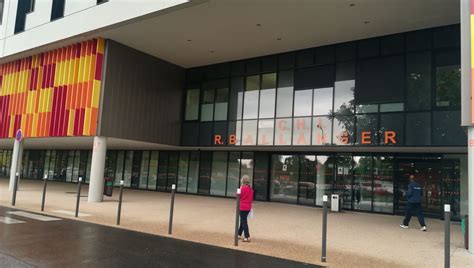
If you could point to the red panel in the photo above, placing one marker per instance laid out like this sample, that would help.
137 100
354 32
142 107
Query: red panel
98 67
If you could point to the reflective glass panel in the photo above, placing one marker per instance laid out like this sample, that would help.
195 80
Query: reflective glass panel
222 97
284 178
193 174
219 173
322 103
192 104
153 170
383 184
265 132
324 177
322 130
307 180
207 106
267 103
251 104
183 172
302 131
284 102
249 132
343 130
303 102
144 169
283 131
363 183
252 83
233 174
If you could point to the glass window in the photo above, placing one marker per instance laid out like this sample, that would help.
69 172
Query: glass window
235 131
251 104
145 163
249 132
302 131
284 178
153 170
205 172
367 129
346 51
219 173
344 88
303 102
252 83
190 134
448 36
236 98
111 164
267 103
173 164
392 44
314 77
162 171
325 55
283 131
265 132
237 68
322 102
418 40
192 104
222 97
447 128
183 172
343 130
246 165
205 133
418 81
220 133
343 183
261 176
448 86
207 106
324 177
383 184
269 63
368 48
136 168
286 60
305 57
455 183
418 129
52 164
127 173
367 108
380 80
252 66
233 175
391 107
89 166
363 183
322 130
269 81
391 129
119 165
284 102
193 174
70 163
307 180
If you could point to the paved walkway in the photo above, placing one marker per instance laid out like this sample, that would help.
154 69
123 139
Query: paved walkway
281 230
35 241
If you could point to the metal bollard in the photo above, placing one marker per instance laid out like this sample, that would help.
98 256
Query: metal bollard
325 227
447 235
78 196
15 188
237 217
119 211
170 225
45 182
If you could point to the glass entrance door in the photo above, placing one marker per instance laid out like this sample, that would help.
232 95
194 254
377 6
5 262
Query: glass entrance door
428 174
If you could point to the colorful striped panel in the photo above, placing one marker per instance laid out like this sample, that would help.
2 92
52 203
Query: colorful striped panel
53 94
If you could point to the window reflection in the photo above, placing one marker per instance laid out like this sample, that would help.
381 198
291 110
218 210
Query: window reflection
302 131
303 102
265 132
284 102
219 173
207 106
322 130
192 104
284 178
267 103
362 197
325 177
343 130
249 132
322 104
222 96
283 131
383 184
251 104
252 83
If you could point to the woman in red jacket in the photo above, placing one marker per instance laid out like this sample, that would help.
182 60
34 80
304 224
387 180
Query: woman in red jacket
246 199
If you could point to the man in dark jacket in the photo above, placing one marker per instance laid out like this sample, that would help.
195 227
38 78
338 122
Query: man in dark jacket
414 194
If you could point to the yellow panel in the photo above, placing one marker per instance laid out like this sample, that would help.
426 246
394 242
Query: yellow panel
96 94
87 122
12 124
70 129
34 125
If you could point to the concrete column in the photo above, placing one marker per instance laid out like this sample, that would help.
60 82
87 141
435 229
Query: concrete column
470 183
16 162
96 183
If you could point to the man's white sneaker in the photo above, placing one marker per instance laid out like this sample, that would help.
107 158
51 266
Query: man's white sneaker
403 226
423 229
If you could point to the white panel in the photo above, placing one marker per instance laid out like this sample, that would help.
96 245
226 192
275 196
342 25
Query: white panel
40 15
73 6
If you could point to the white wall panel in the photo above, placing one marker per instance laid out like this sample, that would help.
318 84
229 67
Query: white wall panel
40 15
73 6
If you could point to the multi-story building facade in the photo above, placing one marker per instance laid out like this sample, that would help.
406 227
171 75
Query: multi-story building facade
199 93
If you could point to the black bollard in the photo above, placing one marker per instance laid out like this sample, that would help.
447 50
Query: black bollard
78 196
15 188
119 211
45 183
325 225
170 225
447 235
237 217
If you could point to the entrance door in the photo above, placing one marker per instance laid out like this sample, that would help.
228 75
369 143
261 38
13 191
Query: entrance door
428 175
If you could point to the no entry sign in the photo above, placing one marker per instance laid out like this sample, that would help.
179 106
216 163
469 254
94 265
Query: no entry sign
19 135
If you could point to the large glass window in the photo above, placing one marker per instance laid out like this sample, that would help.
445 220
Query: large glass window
343 184
448 86
418 129
193 174
418 81
363 169
192 104
207 105
285 94
219 173
172 170
249 132
153 172
446 128
302 131
307 180
383 184
265 132
322 103
283 131
145 163
162 171
322 126
343 130
284 178
205 173
324 177
236 98
267 103
222 98
127 173
303 102
183 172
391 129
246 165
261 176
233 175
251 104
367 129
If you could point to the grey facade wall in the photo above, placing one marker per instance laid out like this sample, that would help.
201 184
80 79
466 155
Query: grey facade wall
142 97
